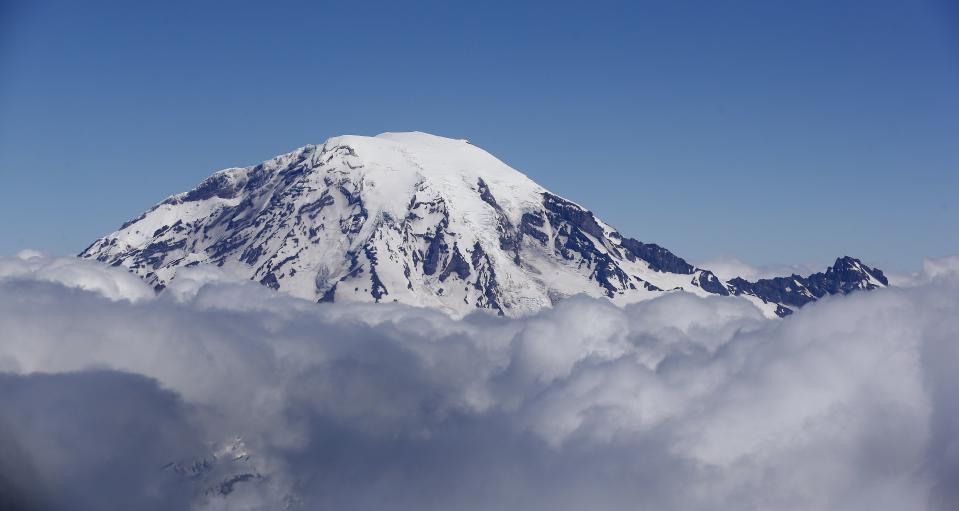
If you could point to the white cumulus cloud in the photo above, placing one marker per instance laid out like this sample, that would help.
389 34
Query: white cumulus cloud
678 403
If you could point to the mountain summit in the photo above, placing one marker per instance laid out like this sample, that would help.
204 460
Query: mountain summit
423 220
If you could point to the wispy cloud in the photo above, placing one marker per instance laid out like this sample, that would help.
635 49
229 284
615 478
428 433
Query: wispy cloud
728 268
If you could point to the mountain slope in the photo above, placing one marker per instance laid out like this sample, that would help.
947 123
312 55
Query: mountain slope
423 220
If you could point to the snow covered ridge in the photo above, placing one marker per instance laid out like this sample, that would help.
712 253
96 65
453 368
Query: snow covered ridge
422 220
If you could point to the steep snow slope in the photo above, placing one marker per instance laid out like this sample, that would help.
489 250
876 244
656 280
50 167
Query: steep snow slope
423 220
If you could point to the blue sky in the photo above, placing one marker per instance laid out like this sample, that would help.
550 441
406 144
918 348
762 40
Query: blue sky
775 132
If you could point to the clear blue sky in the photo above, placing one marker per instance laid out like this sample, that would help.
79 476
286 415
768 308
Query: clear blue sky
773 131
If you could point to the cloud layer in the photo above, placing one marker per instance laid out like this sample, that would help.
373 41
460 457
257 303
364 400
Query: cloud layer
676 403
728 268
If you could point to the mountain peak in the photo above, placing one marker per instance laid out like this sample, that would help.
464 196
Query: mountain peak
420 138
846 262
853 270
425 220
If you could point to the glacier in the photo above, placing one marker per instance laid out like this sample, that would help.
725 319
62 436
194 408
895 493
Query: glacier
427 221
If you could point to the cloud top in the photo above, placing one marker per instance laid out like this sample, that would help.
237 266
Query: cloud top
678 403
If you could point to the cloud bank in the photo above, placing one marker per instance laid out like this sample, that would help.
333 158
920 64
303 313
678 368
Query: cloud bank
223 395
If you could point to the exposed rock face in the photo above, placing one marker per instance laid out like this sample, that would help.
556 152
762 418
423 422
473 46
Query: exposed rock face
846 275
423 220
229 467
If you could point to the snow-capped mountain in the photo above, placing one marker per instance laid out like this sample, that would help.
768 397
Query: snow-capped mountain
218 476
220 471
422 220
